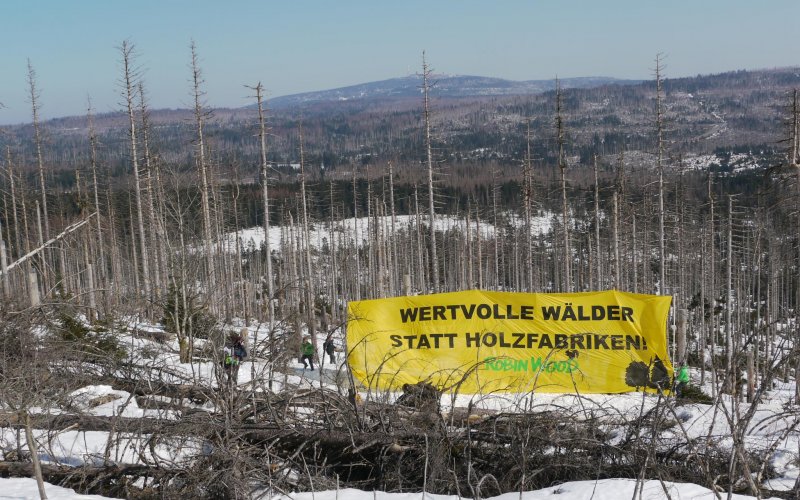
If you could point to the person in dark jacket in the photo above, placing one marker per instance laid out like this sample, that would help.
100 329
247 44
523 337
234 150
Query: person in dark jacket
233 355
329 348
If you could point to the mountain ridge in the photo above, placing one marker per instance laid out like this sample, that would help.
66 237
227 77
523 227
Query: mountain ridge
444 86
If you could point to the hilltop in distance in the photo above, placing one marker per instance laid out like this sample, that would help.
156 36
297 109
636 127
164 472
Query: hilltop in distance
480 119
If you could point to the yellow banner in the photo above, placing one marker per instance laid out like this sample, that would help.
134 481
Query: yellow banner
479 341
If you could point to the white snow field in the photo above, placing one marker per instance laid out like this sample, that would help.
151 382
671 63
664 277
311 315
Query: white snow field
604 489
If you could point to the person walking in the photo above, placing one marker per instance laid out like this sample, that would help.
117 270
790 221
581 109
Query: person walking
329 348
307 353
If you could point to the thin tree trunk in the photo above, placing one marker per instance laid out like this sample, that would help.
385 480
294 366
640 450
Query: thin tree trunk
662 289
395 267
309 279
34 96
598 252
528 193
158 278
262 142
129 94
205 195
730 377
429 156
357 242
562 166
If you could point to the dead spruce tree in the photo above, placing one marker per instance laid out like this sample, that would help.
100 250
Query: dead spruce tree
200 116
129 85
34 96
151 201
264 177
566 282
659 112
426 74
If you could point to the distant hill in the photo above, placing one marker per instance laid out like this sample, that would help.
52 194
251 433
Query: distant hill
475 121
445 86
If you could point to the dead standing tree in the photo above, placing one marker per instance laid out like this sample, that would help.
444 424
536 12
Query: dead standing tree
426 74
200 115
660 165
151 199
264 166
562 167
37 137
129 77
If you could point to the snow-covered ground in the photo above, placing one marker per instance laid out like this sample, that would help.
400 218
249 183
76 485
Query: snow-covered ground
345 230
698 424
604 489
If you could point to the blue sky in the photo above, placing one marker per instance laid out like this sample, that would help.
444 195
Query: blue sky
303 45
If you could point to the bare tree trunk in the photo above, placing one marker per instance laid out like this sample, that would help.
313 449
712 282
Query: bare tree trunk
730 376
751 378
680 335
18 230
597 225
615 200
309 279
662 289
470 253
479 245
134 254
114 283
681 292
159 278
528 194
395 269
96 193
712 283
262 142
635 256
334 267
37 466
702 333
795 164
4 267
429 156
420 248
562 166
370 247
128 92
205 195
41 240
34 96
357 242
496 238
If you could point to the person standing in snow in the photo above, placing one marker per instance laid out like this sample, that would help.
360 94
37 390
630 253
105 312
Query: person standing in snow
329 348
681 380
234 354
307 353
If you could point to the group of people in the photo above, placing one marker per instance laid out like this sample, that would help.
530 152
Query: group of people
234 353
307 351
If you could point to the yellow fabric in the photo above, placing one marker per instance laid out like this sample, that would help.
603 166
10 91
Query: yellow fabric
479 341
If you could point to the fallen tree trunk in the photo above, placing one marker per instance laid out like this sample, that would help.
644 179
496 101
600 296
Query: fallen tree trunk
85 423
117 480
